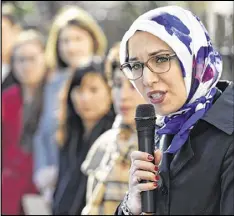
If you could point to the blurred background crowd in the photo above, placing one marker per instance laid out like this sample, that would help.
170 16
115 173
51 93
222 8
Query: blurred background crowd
67 110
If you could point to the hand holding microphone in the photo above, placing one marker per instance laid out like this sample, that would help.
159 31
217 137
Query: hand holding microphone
144 167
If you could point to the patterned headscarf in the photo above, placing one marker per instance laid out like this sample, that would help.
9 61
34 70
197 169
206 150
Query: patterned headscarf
200 63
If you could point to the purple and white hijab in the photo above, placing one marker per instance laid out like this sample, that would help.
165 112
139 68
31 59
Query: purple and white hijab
200 63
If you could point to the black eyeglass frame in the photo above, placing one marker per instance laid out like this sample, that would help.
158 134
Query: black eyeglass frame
143 64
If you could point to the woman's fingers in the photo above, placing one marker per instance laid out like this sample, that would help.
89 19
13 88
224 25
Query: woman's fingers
143 165
146 186
138 155
143 156
157 156
143 169
143 161
145 175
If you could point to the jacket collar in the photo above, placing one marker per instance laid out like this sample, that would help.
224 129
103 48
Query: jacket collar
217 116
221 114
181 158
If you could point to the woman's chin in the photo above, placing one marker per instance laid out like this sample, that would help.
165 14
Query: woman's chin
128 120
162 111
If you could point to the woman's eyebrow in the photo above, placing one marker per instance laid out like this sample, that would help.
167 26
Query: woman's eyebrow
157 52
150 54
133 59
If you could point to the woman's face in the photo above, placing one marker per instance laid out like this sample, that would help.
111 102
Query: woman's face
166 91
92 98
75 45
125 97
29 63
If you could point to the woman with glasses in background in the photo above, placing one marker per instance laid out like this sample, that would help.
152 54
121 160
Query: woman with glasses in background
21 110
168 55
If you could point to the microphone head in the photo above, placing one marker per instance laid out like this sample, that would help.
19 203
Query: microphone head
145 116
145 110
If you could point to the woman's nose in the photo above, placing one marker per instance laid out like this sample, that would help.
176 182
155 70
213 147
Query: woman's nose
149 77
125 92
85 97
71 46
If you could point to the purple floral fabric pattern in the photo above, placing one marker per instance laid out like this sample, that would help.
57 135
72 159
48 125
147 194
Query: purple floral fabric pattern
174 25
203 70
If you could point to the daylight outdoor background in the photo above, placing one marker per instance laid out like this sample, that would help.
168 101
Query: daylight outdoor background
116 16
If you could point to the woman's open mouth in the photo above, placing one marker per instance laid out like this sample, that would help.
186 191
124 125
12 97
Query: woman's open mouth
156 97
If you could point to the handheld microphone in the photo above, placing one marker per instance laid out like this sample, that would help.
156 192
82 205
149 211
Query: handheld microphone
145 126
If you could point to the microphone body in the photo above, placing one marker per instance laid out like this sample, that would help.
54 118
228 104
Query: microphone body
146 144
145 125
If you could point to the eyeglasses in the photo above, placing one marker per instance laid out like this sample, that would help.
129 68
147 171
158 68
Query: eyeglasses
157 64
28 59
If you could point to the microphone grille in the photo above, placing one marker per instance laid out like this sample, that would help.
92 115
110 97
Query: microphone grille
145 110
145 116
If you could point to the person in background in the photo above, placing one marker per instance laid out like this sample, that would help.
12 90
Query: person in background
86 112
108 160
75 40
10 30
21 110
169 57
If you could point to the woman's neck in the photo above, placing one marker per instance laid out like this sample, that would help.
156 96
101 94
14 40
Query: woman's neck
132 126
29 92
89 125
83 63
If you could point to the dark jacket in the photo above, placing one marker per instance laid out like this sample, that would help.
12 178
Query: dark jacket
9 81
199 180
70 193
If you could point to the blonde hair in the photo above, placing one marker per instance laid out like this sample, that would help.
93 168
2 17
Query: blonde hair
62 114
29 35
65 15
112 57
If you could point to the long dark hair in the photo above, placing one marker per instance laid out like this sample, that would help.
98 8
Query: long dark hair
30 124
69 118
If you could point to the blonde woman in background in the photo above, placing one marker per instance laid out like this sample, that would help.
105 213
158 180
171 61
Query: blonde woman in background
74 40
108 161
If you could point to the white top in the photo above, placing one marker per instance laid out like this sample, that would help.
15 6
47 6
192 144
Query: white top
5 71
